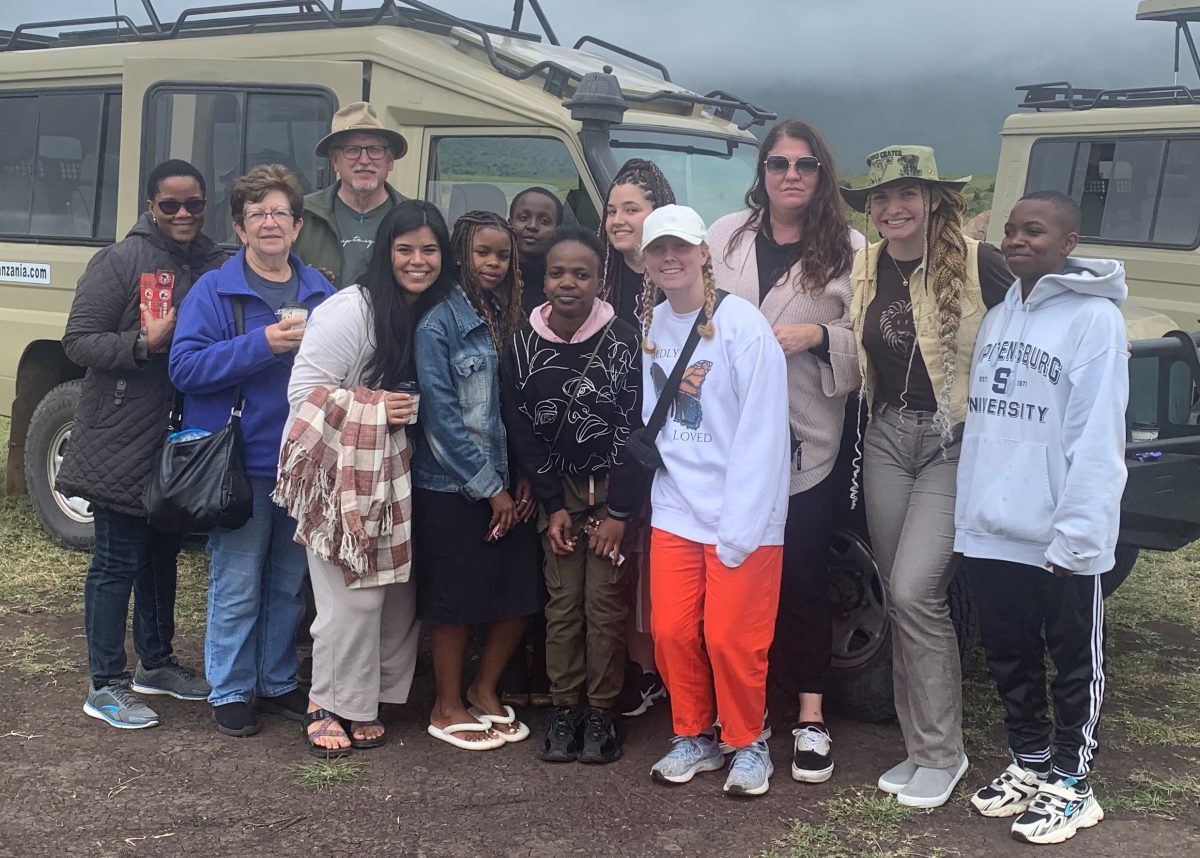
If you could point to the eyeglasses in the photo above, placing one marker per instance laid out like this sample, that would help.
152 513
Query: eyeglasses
375 153
256 217
806 165
172 207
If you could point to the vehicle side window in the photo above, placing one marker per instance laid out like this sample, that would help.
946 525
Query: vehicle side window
1134 190
469 173
224 132
58 165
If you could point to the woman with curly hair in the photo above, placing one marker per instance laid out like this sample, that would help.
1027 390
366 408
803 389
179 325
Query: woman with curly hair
638 189
475 556
789 253
919 296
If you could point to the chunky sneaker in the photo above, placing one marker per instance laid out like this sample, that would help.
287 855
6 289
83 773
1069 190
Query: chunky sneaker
115 704
727 748
173 679
750 771
643 688
690 755
811 762
600 742
897 777
1057 812
1008 794
562 741
931 787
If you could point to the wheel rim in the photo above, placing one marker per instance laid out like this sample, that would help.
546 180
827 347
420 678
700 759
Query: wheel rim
860 615
75 508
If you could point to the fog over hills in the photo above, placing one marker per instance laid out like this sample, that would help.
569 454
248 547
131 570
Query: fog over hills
869 73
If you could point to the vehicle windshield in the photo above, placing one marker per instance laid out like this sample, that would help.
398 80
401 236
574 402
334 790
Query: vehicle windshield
709 173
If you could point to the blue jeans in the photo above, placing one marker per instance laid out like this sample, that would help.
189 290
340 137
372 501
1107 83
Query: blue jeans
254 577
129 558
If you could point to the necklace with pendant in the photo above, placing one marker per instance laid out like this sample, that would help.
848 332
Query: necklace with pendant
903 279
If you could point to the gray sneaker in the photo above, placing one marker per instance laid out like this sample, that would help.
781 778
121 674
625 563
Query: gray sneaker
897 777
115 704
173 679
932 787
690 755
751 770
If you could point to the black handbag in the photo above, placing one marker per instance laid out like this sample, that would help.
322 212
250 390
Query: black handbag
200 483
640 444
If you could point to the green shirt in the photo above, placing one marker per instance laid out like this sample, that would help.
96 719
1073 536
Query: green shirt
358 237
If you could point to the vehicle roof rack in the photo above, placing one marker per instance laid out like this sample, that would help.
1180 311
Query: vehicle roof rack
1061 95
233 19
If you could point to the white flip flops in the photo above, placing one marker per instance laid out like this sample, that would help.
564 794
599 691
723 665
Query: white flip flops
446 734
503 722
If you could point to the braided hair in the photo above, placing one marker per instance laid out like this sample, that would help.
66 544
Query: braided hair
502 318
650 179
946 269
650 299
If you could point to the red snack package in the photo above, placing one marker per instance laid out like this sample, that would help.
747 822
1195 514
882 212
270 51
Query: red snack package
157 291
147 287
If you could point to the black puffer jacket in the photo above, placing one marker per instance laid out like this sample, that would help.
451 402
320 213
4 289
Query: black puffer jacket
122 415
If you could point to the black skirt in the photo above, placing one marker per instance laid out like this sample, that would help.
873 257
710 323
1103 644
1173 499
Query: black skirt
461 579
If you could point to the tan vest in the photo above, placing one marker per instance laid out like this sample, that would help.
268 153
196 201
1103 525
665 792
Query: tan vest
863 282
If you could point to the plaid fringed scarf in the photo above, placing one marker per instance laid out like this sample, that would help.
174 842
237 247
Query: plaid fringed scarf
344 477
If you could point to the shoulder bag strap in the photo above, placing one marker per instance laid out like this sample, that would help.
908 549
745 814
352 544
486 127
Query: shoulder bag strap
579 384
239 328
667 396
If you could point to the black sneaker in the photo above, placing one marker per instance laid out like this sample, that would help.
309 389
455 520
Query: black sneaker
236 719
811 762
291 705
642 690
562 741
600 742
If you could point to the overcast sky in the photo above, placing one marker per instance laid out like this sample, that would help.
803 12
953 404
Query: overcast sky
869 72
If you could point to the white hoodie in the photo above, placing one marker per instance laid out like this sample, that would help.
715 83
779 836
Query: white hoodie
725 441
1043 455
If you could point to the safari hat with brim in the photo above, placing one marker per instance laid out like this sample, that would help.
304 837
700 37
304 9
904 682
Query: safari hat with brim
898 163
360 116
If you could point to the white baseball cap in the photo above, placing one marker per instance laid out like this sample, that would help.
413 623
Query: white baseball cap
679 221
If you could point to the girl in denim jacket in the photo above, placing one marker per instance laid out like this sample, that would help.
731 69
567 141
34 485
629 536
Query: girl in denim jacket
475 554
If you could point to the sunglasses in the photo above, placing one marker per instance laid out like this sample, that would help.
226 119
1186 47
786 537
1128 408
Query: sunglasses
172 207
806 165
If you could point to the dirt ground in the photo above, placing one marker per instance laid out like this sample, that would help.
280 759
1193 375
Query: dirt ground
70 785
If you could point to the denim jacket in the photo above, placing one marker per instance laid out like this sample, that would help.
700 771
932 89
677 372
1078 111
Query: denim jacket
462 446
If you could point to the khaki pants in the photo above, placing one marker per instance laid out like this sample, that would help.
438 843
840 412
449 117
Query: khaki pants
585 613
910 488
364 643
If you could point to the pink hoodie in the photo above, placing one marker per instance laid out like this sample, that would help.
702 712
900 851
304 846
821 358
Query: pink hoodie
602 311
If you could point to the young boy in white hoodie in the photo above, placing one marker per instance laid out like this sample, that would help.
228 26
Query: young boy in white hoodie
1038 508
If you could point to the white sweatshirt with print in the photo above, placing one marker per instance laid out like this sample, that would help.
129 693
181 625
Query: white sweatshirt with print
725 443
1042 468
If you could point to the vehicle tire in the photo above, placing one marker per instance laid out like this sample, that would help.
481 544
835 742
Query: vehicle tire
1127 555
67 520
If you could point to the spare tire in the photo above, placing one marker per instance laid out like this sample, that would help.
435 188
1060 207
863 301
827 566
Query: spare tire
67 520
1127 556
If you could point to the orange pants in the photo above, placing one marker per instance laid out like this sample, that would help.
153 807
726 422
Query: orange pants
712 628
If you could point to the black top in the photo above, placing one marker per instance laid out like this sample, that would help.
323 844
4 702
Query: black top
890 336
539 378
533 284
628 298
772 261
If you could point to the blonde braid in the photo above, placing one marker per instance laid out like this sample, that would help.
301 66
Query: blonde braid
649 298
710 300
947 256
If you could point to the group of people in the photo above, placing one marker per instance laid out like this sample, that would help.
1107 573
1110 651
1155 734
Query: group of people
628 439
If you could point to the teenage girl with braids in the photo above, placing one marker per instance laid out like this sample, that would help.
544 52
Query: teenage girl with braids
719 505
789 253
638 189
919 296
476 556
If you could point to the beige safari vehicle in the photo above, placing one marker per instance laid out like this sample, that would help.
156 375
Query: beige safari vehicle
88 106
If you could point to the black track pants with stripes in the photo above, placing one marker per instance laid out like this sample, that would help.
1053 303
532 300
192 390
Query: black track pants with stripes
1024 611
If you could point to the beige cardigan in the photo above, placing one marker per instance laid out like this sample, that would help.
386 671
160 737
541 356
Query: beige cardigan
816 390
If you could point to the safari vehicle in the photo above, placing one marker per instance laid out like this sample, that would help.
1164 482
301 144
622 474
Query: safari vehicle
89 105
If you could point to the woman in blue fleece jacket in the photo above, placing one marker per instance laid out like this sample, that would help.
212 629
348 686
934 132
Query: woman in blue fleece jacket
255 571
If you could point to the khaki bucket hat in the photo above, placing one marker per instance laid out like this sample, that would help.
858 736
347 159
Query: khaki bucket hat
360 116
894 163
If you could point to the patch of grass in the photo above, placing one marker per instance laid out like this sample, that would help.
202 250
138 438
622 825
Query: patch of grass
1143 792
326 775
857 825
36 656
1169 729
1163 587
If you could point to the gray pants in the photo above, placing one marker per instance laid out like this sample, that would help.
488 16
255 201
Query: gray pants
910 485
364 643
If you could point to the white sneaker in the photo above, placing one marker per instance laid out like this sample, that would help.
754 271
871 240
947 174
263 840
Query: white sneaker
750 771
1058 811
811 761
1009 794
